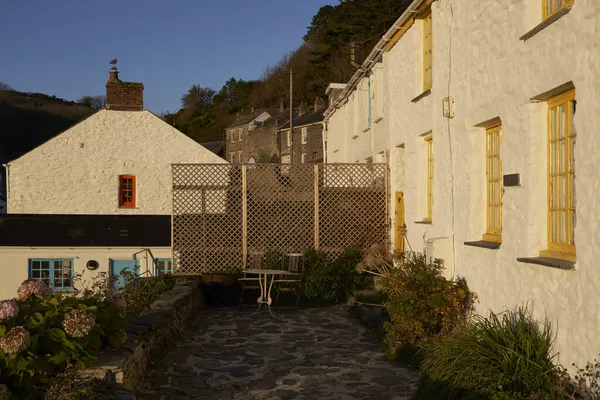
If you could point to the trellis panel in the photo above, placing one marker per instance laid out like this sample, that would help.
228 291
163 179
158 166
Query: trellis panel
222 212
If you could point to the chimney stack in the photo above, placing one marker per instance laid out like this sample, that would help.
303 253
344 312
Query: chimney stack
123 96
301 109
319 103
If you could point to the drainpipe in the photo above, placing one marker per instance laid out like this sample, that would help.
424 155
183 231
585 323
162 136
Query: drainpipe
6 166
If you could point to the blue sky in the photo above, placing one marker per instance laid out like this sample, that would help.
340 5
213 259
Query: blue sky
62 47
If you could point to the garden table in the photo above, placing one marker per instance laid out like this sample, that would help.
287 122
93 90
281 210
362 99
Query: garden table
265 286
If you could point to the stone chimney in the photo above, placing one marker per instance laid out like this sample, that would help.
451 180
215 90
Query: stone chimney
319 103
302 108
123 96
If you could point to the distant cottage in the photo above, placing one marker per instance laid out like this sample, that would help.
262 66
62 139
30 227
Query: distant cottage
90 198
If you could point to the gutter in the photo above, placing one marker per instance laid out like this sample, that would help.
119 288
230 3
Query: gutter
371 60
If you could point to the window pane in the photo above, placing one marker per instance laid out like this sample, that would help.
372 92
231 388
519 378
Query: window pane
562 156
35 273
563 191
562 120
45 265
554 189
552 157
555 226
563 227
553 124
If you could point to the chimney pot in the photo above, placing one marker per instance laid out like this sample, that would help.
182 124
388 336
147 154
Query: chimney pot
319 102
123 96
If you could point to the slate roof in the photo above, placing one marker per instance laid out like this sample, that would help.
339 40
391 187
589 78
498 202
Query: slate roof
245 118
42 230
216 147
306 119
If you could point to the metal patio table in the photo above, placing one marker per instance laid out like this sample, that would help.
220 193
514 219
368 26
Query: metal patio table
265 286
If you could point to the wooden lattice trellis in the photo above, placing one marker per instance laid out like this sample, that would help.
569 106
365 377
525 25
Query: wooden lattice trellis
222 212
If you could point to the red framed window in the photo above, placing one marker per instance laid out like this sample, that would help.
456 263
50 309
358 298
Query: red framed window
127 191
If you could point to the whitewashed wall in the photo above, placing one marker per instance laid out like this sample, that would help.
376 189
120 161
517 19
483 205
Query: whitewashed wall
479 60
77 172
14 262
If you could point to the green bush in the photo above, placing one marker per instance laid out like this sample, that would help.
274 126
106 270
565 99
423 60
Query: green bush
504 356
139 293
333 281
422 304
42 333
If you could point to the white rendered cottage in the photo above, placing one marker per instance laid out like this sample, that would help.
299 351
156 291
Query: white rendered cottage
487 113
96 197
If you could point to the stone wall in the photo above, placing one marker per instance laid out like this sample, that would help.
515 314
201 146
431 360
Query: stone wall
313 148
147 336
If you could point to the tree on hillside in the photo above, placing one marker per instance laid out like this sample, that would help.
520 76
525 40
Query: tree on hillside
197 99
93 102
5 86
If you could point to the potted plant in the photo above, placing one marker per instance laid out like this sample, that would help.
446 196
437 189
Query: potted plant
226 277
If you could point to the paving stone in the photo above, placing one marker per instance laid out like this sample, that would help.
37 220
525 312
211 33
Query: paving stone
231 354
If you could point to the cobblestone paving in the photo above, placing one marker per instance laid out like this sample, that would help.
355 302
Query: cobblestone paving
320 353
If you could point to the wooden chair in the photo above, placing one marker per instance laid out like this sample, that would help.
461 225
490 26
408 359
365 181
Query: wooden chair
251 281
292 262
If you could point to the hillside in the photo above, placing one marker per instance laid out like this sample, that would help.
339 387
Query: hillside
29 119
323 58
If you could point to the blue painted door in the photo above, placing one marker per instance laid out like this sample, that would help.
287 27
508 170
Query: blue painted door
118 266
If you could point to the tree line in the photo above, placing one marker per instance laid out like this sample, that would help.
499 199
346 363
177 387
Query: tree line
323 58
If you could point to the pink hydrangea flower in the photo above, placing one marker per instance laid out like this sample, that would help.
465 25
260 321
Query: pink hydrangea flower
77 323
15 341
8 309
33 286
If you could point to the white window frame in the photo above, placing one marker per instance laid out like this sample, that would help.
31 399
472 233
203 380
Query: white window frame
303 158
240 157
232 135
289 138
304 135
232 157
241 134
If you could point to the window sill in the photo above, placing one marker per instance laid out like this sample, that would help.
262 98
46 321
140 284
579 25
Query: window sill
546 23
484 244
424 222
549 262
128 208
422 95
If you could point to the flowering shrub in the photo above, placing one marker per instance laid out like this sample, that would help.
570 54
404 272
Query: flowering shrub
8 309
77 323
15 341
42 334
33 287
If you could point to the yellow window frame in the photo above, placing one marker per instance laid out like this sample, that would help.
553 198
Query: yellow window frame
429 142
551 7
493 172
427 51
561 177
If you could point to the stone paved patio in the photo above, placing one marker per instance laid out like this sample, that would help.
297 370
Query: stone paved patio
320 353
